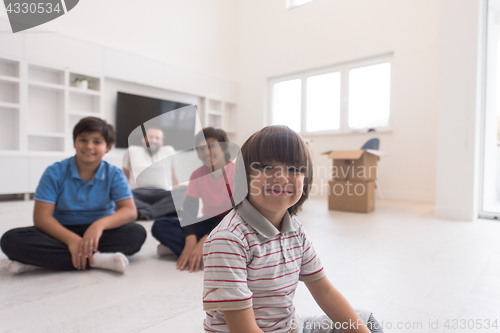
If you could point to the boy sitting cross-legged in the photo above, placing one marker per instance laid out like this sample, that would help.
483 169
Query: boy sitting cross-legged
83 211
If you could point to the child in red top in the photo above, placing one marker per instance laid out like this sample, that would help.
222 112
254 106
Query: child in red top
211 183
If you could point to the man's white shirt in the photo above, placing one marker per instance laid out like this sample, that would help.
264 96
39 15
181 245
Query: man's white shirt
147 173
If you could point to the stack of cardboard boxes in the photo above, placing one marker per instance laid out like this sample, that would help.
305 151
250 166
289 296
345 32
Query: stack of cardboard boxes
354 173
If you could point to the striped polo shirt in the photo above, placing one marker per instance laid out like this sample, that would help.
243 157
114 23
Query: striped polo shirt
248 262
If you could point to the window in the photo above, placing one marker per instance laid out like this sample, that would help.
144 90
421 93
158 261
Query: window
296 3
286 103
347 98
323 102
369 96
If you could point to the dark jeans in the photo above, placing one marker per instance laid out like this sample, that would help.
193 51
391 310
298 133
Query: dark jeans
169 231
153 203
33 247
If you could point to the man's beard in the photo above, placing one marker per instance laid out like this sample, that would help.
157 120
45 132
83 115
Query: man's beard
152 150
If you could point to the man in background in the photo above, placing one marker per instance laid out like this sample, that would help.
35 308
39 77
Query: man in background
151 173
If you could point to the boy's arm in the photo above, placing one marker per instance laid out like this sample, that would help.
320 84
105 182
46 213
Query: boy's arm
175 181
43 217
335 305
126 172
189 215
241 321
125 212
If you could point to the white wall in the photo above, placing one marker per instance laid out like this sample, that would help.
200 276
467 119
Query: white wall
199 35
276 41
460 61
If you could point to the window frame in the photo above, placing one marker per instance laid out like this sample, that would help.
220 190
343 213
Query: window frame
343 68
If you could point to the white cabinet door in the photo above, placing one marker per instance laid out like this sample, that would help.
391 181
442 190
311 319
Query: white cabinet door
13 175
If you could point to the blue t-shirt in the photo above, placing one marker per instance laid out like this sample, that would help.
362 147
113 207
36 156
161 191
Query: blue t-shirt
77 202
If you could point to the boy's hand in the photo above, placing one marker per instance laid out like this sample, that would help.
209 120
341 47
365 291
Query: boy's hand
90 241
191 257
196 258
79 261
183 260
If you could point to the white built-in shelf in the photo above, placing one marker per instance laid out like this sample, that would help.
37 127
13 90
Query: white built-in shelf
82 114
84 91
39 106
10 105
214 105
9 68
94 82
9 124
215 113
44 85
45 110
9 92
45 143
214 120
42 74
221 114
84 102
46 135
9 78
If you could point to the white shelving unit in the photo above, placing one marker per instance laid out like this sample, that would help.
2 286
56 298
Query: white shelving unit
40 104
221 114
9 104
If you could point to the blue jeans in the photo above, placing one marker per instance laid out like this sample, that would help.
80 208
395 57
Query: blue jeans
169 231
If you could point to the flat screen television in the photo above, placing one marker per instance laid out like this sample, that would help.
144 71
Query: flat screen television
133 110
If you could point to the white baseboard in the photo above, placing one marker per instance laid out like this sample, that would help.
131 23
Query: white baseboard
409 195
452 213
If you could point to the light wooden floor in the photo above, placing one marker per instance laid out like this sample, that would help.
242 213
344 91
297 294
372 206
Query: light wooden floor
400 262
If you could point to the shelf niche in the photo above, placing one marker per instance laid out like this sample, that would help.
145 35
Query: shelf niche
45 143
9 68
214 105
214 120
45 110
9 92
45 75
9 135
94 82
81 102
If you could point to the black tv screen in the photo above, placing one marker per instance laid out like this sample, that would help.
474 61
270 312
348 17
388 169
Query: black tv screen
134 110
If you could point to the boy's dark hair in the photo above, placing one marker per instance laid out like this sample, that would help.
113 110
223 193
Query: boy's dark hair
276 143
94 124
214 133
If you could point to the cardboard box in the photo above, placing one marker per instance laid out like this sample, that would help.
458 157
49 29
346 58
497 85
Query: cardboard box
355 165
346 195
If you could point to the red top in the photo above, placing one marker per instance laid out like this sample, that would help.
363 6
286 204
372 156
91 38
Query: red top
214 192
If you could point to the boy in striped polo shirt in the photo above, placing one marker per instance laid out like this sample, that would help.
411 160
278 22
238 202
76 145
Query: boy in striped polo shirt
254 259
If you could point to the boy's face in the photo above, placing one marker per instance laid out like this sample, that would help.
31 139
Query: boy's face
274 187
212 155
90 147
